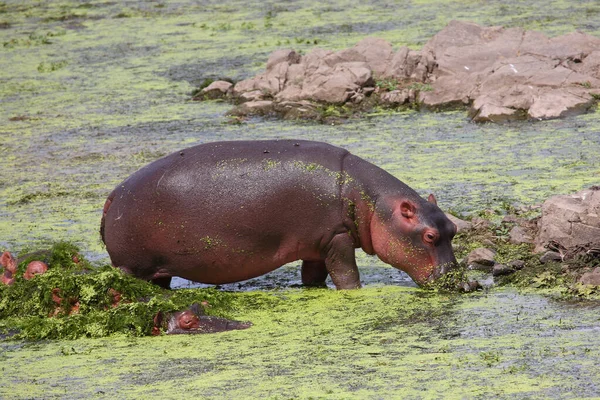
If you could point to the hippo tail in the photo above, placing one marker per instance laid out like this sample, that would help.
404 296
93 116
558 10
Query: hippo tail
104 211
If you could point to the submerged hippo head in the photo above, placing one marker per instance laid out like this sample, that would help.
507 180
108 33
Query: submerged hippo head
35 268
414 236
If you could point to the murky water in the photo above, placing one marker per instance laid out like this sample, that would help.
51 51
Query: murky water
90 92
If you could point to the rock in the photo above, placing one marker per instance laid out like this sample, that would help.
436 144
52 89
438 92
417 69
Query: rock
247 85
517 264
550 256
560 103
518 235
481 256
461 225
377 54
503 74
502 269
252 95
591 278
507 71
217 89
260 107
493 113
480 223
336 85
287 56
297 109
570 220
449 91
395 97
398 67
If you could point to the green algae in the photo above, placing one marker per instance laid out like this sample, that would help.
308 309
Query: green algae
93 301
122 99
384 341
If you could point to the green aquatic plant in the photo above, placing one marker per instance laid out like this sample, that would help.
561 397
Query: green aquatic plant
75 299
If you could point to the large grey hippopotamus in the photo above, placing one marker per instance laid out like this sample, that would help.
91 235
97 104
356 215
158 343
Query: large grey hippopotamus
228 211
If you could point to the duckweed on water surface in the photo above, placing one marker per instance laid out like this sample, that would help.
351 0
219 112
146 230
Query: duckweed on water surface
387 342
121 99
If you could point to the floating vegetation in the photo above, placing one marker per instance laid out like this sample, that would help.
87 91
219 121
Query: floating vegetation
77 299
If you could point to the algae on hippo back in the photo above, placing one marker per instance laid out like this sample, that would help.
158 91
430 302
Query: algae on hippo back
268 217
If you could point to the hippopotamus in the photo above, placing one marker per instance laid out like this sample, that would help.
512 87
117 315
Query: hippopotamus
225 212
194 321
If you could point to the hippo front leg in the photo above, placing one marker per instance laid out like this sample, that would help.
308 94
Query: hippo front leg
341 262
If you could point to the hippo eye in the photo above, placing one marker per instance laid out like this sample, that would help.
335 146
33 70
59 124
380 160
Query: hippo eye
429 237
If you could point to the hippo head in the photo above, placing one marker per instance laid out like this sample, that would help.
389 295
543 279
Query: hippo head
35 268
414 236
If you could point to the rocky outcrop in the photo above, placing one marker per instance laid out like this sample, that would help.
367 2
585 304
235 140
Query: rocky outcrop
569 221
510 73
501 74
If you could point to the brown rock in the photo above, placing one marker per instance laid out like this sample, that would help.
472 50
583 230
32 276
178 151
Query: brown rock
570 220
518 235
450 90
395 97
493 113
480 223
217 89
560 103
517 264
287 56
504 74
591 278
377 53
481 256
247 85
260 107
502 269
335 85
397 67
461 225
550 256
252 95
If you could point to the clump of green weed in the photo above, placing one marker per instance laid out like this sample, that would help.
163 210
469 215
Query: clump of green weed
74 299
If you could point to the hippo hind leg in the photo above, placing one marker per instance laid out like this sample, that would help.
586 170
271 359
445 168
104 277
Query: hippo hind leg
314 273
161 279
164 282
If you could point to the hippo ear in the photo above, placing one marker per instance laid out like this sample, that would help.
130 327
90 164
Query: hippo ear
407 209
9 262
432 199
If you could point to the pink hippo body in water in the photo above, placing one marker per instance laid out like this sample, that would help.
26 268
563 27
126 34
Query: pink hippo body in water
229 211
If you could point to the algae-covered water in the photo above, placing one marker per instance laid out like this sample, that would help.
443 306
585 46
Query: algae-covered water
383 342
90 91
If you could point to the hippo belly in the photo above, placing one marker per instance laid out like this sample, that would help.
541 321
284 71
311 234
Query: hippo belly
219 215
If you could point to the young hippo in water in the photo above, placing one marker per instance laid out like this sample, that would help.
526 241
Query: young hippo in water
10 265
193 321
229 211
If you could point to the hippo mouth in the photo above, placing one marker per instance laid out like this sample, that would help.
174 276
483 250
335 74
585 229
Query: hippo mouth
439 271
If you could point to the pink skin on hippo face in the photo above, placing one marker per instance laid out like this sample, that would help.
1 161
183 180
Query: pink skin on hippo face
229 211
10 268
416 242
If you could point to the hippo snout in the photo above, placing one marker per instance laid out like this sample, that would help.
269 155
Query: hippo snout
441 270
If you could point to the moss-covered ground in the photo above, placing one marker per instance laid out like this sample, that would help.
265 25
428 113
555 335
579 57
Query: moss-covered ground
91 91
